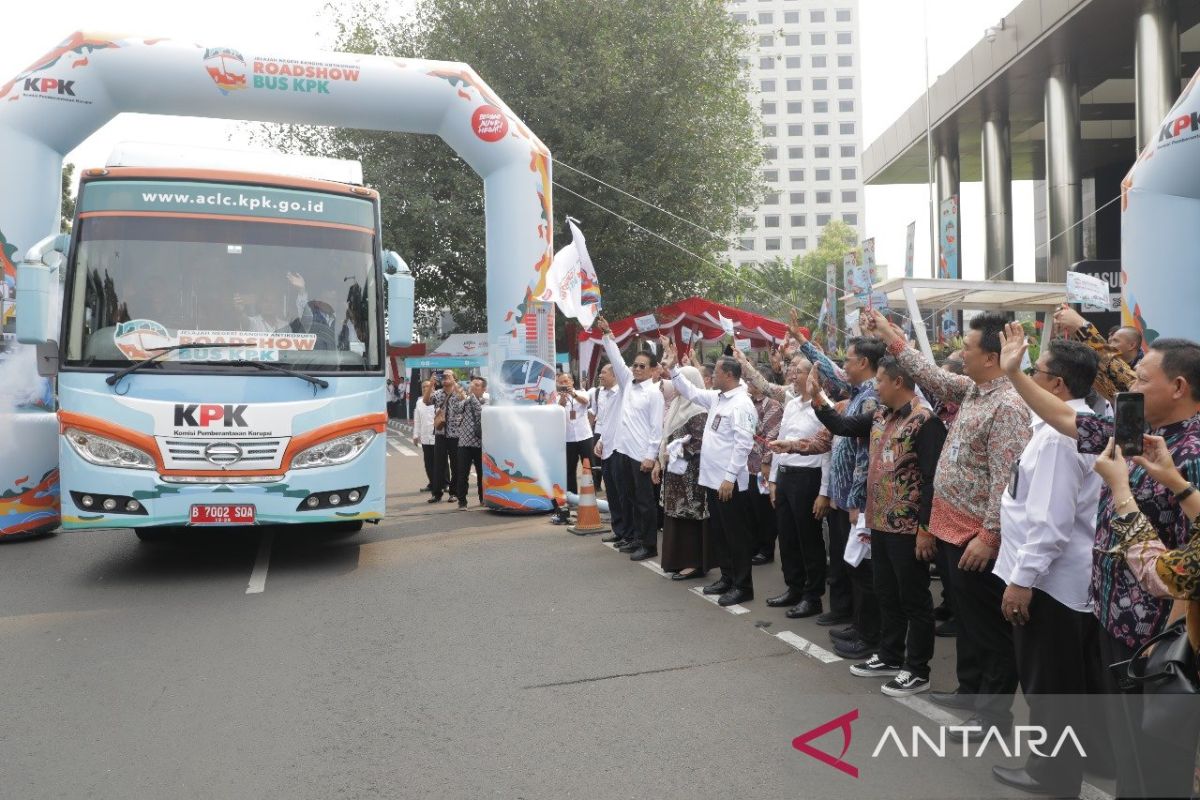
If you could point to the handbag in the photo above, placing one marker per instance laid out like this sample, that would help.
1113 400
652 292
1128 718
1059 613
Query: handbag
439 420
1165 675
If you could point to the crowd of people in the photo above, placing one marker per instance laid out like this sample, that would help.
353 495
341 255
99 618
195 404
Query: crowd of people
448 427
1058 557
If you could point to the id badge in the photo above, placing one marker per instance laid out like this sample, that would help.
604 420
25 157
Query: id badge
955 446
888 458
572 415
716 423
1014 479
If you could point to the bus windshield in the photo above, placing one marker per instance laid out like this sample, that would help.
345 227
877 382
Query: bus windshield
294 293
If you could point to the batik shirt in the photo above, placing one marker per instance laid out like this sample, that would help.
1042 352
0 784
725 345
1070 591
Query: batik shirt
469 414
849 463
989 433
770 414
1126 610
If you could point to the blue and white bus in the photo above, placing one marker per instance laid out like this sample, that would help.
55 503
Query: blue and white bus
220 354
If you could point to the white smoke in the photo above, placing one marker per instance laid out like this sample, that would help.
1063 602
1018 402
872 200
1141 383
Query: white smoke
19 385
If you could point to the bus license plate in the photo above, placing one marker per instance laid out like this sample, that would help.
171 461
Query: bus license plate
222 515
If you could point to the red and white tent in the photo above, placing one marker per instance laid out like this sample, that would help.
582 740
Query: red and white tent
692 314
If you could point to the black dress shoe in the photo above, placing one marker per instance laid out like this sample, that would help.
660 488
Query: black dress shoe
788 598
846 634
427 487
759 559
462 503
630 547
612 538
642 553
1018 778
720 587
806 608
955 699
679 576
856 649
981 730
947 629
942 613
437 498
734 596
833 618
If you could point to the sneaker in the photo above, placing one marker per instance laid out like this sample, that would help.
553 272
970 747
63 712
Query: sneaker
872 667
904 685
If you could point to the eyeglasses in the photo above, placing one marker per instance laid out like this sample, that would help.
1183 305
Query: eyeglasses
640 366
1031 371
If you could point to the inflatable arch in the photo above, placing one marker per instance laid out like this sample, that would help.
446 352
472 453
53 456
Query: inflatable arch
1160 237
80 85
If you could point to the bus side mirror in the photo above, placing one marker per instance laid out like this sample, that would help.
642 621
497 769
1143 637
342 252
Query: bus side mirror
37 295
401 290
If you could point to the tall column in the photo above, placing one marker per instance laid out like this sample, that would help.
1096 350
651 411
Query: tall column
947 168
997 193
1064 189
1156 66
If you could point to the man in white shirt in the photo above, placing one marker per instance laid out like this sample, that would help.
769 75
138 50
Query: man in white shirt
798 481
423 433
634 445
1047 530
728 440
602 399
579 429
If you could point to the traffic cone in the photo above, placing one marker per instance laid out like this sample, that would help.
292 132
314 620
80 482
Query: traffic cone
588 520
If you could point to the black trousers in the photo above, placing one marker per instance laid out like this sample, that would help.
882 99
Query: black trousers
468 456
636 492
763 523
445 455
427 451
967 668
861 580
984 636
905 604
612 493
1058 653
841 586
576 451
801 546
1146 766
727 522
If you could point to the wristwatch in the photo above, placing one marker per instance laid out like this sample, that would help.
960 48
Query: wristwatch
1185 494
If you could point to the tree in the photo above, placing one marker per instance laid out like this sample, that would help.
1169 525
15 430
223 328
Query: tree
67 209
647 95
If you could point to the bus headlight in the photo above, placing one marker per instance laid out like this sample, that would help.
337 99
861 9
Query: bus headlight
335 451
105 452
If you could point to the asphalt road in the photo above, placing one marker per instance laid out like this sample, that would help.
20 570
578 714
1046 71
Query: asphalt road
442 653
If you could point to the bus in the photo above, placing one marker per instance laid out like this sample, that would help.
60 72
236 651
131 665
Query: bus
220 350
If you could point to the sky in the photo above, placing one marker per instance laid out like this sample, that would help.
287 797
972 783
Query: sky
893 78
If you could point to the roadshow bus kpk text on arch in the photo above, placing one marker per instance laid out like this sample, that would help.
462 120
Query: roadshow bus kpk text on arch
220 355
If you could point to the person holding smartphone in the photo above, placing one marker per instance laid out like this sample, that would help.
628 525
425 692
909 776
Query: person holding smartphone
1168 378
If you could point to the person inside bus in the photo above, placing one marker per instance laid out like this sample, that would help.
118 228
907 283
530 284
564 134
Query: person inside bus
262 304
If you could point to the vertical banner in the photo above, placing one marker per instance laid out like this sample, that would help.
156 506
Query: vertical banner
868 248
948 239
831 295
910 249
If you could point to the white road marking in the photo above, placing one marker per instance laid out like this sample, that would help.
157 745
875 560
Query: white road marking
712 598
807 647
401 448
258 576
653 566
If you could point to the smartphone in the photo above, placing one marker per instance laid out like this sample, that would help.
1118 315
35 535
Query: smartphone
1130 422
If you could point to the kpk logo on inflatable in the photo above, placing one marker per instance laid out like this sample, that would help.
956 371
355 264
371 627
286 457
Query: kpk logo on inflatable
489 123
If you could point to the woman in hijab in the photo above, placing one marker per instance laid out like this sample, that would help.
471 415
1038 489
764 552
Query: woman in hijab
686 550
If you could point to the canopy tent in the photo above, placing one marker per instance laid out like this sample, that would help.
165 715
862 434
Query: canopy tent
673 319
940 294
460 350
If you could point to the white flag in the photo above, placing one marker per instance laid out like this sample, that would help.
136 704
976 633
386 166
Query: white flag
571 282
725 323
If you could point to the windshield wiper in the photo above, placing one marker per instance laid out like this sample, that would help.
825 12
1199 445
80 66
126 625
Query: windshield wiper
111 380
266 365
